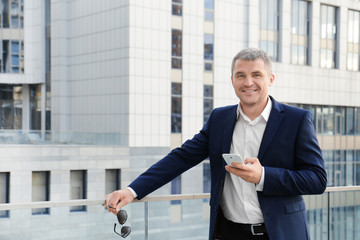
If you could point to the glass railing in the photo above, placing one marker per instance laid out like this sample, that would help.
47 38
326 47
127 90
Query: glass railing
333 215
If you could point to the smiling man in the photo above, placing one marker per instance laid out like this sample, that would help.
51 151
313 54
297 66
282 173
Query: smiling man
260 199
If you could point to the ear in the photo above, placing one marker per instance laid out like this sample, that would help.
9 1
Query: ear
272 79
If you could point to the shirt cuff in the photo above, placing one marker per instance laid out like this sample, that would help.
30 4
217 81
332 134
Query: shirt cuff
260 186
132 191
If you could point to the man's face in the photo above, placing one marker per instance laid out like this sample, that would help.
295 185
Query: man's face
251 81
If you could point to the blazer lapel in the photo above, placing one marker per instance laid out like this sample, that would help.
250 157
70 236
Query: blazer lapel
229 125
272 126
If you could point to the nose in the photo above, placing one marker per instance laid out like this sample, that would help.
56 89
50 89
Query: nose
248 81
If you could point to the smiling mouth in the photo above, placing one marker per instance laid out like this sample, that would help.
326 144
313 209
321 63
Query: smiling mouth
249 91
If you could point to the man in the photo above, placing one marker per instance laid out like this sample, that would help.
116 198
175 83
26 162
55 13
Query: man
260 199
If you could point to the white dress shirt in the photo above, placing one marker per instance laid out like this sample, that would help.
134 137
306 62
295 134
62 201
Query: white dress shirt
239 201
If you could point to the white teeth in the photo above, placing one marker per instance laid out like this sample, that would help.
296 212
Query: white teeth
249 90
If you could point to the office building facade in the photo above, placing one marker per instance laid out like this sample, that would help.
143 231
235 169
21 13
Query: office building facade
94 92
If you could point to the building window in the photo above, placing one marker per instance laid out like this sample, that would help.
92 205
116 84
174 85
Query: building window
78 180
11 99
208 101
300 23
357 121
177 7
340 120
357 168
176 107
4 192
353 43
40 190
328 156
48 65
176 49
208 51
349 172
328 41
12 14
269 27
35 107
112 180
209 10
350 126
319 120
176 188
206 179
12 57
334 120
328 120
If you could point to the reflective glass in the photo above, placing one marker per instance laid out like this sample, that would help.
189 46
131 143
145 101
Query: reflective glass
176 45
209 16
208 66
176 188
323 21
356 31
350 121
294 54
349 167
319 119
177 7
263 14
209 4
357 121
328 118
340 120
295 17
176 107
350 26
78 183
40 190
4 191
302 17
330 28
208 46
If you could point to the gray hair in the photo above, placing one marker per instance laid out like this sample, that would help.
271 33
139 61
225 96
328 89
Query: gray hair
252 54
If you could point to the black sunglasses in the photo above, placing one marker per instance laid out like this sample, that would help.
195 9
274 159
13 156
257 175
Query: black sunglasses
125 230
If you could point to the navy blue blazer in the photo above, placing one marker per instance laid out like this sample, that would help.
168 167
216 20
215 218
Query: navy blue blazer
289 153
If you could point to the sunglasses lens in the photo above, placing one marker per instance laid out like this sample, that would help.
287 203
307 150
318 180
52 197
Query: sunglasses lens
122 216
125 231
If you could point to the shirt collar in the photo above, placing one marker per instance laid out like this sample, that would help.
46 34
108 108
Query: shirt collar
265 113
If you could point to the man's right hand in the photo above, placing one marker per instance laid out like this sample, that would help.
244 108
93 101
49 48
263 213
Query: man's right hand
117 199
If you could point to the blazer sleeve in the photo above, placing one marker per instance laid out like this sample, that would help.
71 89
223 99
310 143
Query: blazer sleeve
191 153
307 173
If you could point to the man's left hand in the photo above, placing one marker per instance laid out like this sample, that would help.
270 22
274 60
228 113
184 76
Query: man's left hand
250 171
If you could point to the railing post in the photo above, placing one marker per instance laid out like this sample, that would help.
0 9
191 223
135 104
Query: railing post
328 216
146 216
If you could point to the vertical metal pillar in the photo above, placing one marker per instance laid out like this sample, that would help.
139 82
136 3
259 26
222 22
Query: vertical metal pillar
146 217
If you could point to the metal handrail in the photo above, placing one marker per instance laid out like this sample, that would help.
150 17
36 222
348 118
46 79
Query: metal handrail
87 202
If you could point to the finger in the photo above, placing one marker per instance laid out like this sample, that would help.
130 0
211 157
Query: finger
240 166
127 197
106 199
251 160
111 202
234 170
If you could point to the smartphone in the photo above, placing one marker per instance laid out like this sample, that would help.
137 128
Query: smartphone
229 158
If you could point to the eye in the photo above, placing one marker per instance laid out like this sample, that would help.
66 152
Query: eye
257 75
239 75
